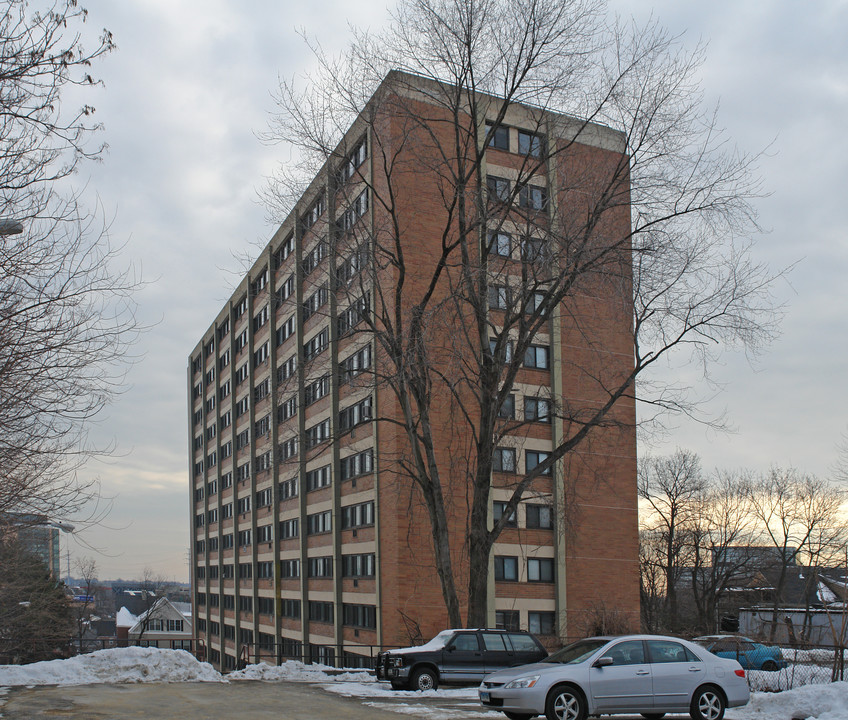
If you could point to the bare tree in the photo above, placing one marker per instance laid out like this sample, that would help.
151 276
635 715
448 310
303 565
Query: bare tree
152 589
672 488
792 510
66 315
652 230
84 606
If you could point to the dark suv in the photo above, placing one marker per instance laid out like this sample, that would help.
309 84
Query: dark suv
457 656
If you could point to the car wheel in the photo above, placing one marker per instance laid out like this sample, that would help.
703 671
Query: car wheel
424 679
565 702
517 716
770 666
707 704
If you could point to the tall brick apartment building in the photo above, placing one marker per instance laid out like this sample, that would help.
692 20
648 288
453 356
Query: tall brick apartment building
308 538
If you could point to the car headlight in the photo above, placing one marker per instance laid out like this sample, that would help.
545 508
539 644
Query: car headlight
395 661
522 682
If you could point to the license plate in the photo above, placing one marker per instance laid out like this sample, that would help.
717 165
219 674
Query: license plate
484 696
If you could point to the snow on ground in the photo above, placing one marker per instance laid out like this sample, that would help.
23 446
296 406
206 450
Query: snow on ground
134 665
118 665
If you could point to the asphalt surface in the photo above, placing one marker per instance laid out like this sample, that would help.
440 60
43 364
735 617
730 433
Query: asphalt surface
243 700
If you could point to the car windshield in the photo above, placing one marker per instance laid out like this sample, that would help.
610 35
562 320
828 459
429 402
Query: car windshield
576 652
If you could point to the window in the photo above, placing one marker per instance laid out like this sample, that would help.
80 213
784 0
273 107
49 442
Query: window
261 355
355 415
350 216
288 488
629 652
320 611
198 468
198 494
498 509
198 443
352 161
240 307
540 570
313 258
498 136
286 330
227 543
286 249
229 604
288 529
289 568
506 568
354 364
507 408
212 459
500 243
317 434
316 390
260 319
224 390
499 297
243 439
265 570
245 570
213 572
197 391
540 516
501 352
287 410
199 520
286 369
226 480
498 188
213 544
534 250
242 406
315 301
290 609
243 472
264 533
245 605
288 449
258 285
667 651
537 409
533 458
224 360
537 356
316 345
359 515
263 499
242 374
211 431
363 616
509 620
262 390
212 487
318 478
210 405
262 426
361 565
351 266
226 449
196 365
358 464
504 460
226 419
310 217
198 417
352 316
320 567
533 197
244 507
285 291
241 341
318 523
530 144
541 623
210 377
265 606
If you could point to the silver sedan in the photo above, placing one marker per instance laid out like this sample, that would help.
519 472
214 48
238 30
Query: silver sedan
647 674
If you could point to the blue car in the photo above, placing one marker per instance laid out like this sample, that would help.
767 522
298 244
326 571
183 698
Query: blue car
749 654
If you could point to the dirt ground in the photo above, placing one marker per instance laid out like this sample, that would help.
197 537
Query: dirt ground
186 701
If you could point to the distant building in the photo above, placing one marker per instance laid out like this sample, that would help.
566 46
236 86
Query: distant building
39 536
166 625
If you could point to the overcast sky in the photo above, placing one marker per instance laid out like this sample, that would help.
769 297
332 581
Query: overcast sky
190 87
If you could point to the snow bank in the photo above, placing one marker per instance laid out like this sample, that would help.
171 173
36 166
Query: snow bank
118 665
298 671
814 702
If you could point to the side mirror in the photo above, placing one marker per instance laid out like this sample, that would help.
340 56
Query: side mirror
450 648
603 661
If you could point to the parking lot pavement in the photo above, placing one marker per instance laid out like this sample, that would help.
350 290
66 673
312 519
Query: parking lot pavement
187 701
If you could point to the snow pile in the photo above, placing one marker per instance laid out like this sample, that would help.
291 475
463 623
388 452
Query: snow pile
815 702
298 671
119 665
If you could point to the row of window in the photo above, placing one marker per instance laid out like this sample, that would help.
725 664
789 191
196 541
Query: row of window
504 460
538 569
